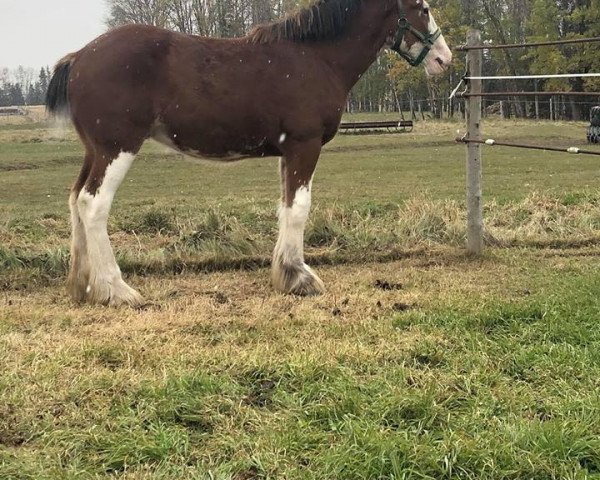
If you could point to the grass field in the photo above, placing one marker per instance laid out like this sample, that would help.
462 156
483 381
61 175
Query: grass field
418 363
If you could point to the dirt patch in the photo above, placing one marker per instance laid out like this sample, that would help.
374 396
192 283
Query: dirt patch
387 286
72 160
18 167
11 439
10 436
261 395
250 474
402 307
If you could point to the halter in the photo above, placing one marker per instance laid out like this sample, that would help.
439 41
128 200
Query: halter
427 39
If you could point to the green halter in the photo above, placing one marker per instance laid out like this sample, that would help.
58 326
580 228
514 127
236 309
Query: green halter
427 39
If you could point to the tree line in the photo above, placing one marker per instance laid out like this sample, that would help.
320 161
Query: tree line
390 84
22 87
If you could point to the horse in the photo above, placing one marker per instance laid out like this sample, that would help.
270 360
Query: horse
279 91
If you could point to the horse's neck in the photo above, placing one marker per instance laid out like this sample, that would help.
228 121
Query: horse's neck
353 54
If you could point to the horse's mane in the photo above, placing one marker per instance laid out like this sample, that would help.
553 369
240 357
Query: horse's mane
325 20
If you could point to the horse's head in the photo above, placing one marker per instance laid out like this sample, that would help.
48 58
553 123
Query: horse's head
418 39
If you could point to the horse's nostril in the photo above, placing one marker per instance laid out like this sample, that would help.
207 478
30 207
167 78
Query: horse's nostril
440 61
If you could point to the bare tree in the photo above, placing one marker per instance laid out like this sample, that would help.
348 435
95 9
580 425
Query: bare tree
262 11
216 18
181 16
24 76
150 12
496 12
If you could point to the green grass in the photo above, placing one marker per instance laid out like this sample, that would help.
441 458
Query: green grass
459 368
486 388
382 168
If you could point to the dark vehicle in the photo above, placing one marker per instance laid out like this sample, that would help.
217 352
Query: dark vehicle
593 134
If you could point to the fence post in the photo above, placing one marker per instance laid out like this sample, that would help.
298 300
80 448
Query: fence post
474 200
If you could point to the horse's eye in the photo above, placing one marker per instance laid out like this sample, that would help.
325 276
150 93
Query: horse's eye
426 11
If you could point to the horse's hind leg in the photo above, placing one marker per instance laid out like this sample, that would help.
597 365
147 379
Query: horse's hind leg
290 273
80 269
105 284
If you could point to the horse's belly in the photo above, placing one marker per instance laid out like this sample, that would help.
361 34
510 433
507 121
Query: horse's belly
214 157
216 151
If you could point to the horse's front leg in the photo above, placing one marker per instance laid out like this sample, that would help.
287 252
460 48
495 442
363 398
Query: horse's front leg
290 273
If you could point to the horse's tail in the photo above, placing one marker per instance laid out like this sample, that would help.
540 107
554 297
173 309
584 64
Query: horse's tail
57 97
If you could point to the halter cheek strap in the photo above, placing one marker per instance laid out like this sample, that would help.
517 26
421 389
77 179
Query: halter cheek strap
427 39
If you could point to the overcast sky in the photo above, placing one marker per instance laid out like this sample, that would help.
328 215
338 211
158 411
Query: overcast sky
36 33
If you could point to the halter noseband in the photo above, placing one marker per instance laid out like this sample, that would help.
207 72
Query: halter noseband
427 39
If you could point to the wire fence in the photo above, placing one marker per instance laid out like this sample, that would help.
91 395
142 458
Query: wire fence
555 106
475 97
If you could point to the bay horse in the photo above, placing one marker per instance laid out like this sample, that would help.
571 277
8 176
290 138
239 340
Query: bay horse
279 91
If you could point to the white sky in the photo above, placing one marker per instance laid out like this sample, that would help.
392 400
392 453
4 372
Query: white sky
36 33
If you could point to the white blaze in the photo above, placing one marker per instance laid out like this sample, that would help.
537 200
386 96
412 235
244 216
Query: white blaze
440 52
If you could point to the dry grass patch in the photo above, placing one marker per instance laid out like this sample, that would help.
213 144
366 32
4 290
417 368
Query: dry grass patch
418 362
221 376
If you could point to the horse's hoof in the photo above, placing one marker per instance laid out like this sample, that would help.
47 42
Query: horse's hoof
297 280
114 293
124 295
308 286
76 286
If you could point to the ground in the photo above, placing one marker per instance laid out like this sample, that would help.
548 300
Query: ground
418 362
